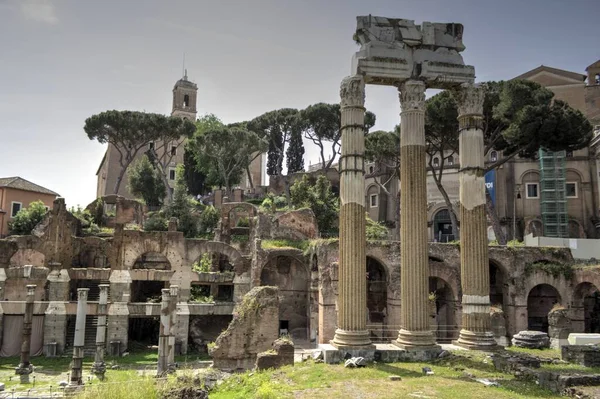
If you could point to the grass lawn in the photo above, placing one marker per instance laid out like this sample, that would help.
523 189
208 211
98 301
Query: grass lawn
318 380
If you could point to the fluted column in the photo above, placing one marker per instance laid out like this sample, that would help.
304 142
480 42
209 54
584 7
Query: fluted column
415 332
99 367
476 332
79 340
351 329
25 367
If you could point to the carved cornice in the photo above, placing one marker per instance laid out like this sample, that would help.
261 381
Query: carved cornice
352 91
469 100
412 95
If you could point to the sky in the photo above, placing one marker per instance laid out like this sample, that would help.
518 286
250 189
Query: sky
62 61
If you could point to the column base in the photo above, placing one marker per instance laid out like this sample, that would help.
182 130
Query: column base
409 340
482 341
344 339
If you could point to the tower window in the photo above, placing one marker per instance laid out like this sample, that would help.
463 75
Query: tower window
493 156
186 101
173 150
151 145
436 162
172 174
450 160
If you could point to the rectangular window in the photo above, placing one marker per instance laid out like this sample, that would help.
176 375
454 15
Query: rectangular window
571 188
373 200
151 145
532 190
15 207
172 174
174 150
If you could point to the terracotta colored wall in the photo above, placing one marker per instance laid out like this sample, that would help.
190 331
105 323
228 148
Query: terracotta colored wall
25 197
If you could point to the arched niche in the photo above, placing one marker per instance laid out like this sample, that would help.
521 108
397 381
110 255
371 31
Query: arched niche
540 301
445 327
586 307
152 260
377 281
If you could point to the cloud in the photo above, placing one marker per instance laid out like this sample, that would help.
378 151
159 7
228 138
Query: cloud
39 10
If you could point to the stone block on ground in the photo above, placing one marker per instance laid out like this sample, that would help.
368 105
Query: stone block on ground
255 326
281 355
531 340
584 339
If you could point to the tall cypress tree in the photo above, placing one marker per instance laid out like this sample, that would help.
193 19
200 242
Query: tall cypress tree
295 152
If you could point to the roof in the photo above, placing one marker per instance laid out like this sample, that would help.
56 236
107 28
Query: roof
561 72
594 65
18 183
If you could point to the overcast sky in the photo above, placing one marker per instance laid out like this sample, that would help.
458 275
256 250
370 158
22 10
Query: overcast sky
64 60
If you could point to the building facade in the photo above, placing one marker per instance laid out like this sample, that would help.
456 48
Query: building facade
515 186
17 193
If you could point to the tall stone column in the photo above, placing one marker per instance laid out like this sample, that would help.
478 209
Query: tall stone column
415 332
166 339
79 340
351 329
173 296
25 367
476 332
99 367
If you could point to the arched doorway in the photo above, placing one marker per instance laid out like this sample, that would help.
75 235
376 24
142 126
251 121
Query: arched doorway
376 297
293 280
445 309
586 308
497 281
442 226
540 301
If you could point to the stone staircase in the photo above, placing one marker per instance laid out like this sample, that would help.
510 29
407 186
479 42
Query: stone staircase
89 346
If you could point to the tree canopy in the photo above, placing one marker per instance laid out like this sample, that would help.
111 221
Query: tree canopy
321 124
317 195
26 219
130 132
145 182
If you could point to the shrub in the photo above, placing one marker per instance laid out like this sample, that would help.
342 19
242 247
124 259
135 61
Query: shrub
156 222
375 231
203 265
84 216
209 220
243 222
26 219
267 205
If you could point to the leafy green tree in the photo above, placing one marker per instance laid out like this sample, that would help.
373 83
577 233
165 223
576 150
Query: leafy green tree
321 124
156 222
295 153
225 152
277 127
145 182
27 218
519 118
441 140
194 178
383 149
209 220
181 207
130 132
317 195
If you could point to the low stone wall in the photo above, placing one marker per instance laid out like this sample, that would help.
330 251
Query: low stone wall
585 355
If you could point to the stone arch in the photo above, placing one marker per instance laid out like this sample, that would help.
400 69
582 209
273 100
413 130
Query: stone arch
586 308
442 226
443 311
530 176
438 268
91 256
27 256
534 226
197 248
576 229
292 276
540 301
377 282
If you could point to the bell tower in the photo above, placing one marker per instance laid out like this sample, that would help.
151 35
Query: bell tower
184 99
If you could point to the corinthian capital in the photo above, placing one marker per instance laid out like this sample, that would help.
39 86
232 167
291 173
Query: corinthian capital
352 91
412 95
470 100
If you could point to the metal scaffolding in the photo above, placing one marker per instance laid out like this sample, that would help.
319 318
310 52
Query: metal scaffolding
553 193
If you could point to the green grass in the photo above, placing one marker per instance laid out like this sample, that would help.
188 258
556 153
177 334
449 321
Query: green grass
318 380
285 244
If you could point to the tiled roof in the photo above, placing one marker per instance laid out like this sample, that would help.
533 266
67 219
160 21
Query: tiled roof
19 183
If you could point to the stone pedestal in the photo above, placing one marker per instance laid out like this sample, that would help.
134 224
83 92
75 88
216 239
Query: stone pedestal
531 340
476 332
415 332
25 367
79 340
351 329
99 367
559 328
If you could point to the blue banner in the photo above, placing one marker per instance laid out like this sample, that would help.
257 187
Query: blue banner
490 184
